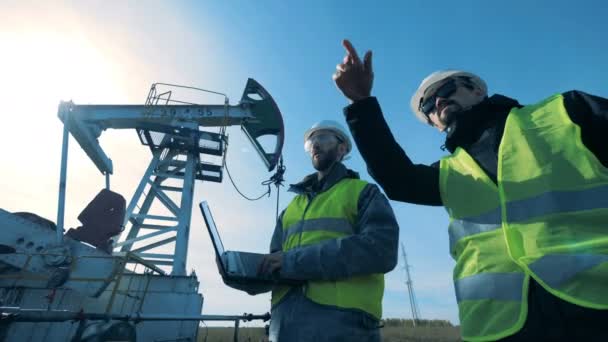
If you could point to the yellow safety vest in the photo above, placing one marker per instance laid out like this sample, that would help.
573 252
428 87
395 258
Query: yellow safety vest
330 215
546 218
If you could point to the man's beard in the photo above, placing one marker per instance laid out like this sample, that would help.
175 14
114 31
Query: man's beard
452 116
325 159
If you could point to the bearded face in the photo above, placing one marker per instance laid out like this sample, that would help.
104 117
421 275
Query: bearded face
444 102
325 149
324 159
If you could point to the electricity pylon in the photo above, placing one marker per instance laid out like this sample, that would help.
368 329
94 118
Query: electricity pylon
410 289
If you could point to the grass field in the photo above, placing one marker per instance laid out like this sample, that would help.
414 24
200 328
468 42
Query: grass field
389 334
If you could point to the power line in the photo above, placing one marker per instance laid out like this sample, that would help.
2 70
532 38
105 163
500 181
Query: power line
277 179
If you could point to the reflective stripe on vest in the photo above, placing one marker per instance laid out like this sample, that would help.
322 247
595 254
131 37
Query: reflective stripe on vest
486 281
555 203
330 215
558 202
497 286
568 266
339 226
464 227
553 195
522 210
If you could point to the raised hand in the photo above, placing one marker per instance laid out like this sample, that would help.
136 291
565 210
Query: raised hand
353 77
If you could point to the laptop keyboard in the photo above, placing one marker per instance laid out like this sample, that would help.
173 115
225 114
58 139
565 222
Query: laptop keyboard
250 262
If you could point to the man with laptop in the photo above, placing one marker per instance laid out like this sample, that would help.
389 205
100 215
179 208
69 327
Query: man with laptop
329 252
240 267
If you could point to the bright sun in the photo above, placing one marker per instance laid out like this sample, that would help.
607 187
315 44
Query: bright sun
38 69
43 67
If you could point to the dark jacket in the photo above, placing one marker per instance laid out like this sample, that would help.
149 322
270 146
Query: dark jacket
374 246
372 249
479 132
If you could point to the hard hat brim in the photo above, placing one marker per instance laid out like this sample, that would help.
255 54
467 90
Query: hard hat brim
338 132
434 78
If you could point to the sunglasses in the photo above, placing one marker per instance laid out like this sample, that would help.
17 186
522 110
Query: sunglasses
322 139
427 106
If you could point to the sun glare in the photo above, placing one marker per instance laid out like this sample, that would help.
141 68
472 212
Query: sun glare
42 67
38 69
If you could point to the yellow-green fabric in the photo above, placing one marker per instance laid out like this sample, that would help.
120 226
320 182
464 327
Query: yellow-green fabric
546 218
555 195
482 260
329 215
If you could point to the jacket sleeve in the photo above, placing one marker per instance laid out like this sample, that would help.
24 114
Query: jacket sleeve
401 179
590 113
372 249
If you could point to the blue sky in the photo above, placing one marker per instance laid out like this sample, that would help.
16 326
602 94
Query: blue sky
104 53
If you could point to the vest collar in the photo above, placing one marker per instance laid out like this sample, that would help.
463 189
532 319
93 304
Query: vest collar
310 184
473 122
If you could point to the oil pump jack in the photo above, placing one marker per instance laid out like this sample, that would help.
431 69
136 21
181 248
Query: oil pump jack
112 278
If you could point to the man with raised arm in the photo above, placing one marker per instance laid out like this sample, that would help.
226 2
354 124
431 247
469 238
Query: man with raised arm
526 189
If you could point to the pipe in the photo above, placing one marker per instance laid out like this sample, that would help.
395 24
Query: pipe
17 314
62 181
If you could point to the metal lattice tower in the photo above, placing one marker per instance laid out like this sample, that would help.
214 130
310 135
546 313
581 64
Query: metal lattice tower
83 270
184 150
410 289
171 172
169 181
179 161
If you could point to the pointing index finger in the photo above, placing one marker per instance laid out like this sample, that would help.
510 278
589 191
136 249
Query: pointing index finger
367 61
351 51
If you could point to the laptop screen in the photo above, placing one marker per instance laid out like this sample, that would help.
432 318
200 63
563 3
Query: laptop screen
215 236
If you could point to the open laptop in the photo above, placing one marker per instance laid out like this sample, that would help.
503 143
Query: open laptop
237 266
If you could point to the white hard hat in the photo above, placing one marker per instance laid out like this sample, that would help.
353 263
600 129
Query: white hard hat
333 126
436 77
